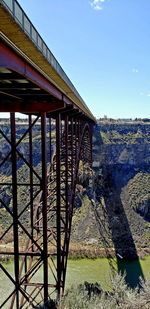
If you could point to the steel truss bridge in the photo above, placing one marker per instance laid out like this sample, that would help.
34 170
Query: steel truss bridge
38 220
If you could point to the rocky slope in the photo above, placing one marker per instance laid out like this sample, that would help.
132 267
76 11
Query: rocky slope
115 212
112 204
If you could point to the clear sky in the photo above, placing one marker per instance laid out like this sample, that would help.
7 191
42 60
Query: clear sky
104 48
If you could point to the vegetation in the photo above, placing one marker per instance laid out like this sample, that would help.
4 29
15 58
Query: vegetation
115 137
92 296
139 193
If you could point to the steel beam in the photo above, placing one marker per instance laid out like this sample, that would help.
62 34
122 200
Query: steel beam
50 201
15 205
58 205
44 204
35 106
11 60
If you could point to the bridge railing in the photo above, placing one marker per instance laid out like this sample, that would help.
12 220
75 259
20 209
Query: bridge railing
23 20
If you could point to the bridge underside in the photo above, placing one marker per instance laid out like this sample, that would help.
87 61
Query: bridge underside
38 174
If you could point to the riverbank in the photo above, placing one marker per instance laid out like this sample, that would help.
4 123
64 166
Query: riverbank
78 251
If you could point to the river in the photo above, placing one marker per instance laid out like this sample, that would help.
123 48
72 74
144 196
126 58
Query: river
91 270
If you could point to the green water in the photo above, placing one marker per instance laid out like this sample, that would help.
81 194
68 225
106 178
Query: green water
97 270
100 270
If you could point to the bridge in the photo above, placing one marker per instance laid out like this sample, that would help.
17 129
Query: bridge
37 200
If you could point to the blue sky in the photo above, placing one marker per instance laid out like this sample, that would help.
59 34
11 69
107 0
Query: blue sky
104 47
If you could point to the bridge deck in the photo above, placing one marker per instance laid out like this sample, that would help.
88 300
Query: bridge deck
18 31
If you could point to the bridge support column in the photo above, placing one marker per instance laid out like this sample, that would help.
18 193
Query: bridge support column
44 204
58 194
15 204
38 174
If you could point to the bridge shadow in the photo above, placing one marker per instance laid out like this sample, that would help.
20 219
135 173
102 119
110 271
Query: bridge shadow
127 259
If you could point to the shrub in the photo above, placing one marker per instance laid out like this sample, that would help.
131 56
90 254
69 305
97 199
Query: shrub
121 296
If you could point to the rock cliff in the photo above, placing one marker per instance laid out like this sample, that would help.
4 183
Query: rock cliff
117 206
112 203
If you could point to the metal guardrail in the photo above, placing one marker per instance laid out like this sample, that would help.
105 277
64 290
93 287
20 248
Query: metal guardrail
22 19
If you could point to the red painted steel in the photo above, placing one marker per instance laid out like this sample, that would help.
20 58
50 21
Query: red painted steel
33 107
51 206
15 204
11 60
44 203
58 204
42 240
